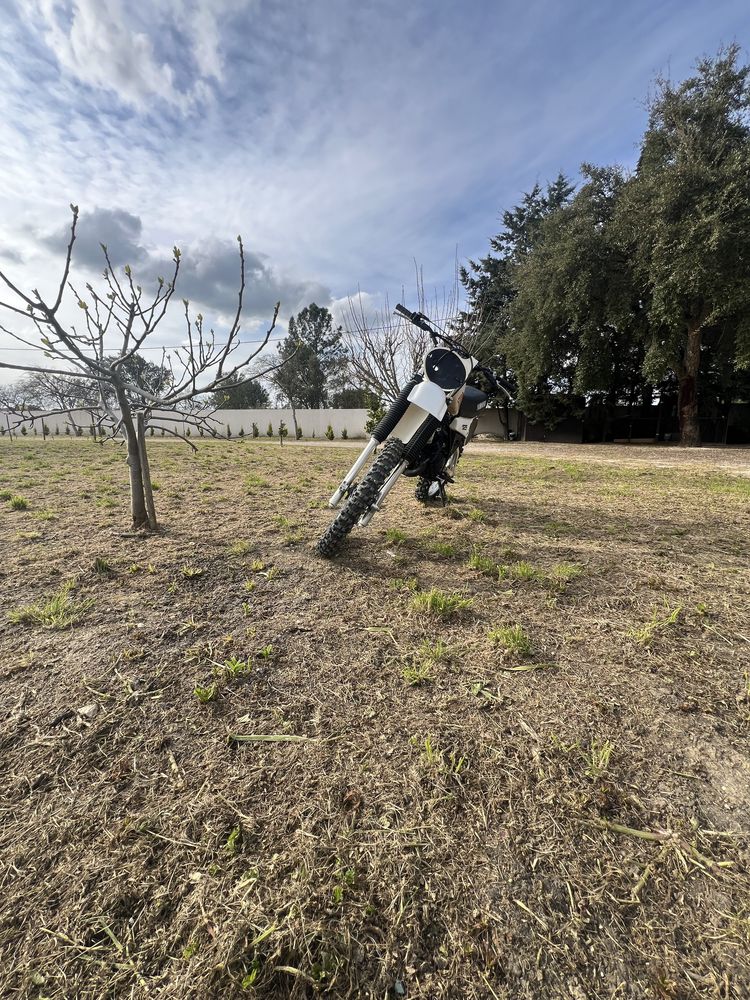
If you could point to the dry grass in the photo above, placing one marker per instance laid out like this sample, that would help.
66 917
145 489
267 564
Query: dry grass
370 800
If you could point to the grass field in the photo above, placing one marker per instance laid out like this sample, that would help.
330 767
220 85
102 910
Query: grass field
496 750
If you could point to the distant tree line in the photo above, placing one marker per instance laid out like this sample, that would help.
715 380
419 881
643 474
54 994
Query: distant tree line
634 284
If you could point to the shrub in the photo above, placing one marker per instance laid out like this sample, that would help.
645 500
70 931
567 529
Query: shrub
256 432
374 415
242 432
229 431
19 503
187 432
24 431
67 429
151 431
163 432
313 434
299 432
79 432
283 430
57 431
329 433
45 429
344 434
269 431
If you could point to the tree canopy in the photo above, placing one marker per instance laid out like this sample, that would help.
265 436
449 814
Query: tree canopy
240 395
633 279
313 358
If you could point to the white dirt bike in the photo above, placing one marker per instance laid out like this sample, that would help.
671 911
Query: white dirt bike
423 433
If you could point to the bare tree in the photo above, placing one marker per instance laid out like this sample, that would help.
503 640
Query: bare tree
384 349
124 404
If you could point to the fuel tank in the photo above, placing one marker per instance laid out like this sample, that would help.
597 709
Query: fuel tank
474 400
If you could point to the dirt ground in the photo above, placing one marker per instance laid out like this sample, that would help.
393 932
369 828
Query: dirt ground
494 750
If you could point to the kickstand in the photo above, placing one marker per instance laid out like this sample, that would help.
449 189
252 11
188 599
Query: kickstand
443 497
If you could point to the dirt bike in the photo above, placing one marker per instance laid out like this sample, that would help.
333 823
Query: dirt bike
424 433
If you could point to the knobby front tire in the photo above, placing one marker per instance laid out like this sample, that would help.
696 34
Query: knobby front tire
362 499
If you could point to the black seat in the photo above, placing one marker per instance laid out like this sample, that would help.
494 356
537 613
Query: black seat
474 400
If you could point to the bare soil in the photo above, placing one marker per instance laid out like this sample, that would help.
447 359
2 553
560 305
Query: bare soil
429 805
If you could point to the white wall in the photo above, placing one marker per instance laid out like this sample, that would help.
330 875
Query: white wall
309 420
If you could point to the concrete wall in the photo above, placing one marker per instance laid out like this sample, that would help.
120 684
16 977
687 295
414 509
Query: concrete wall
353 421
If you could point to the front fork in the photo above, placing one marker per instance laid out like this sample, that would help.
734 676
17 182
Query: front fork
385 490
348 481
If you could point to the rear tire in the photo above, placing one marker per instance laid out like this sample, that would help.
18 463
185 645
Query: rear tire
422 492
362 499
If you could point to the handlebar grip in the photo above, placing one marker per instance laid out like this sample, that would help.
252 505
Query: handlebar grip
403 311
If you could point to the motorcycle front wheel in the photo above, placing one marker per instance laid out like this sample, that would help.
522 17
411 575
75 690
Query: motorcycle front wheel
362 499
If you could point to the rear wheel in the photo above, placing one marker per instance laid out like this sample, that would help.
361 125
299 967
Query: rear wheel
362 499
422 491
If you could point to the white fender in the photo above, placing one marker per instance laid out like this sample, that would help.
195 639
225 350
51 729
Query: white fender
430 397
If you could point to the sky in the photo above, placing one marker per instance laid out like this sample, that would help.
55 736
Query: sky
343 140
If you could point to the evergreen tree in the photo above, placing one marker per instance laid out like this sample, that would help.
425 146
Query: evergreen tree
245 396
313 356
685 222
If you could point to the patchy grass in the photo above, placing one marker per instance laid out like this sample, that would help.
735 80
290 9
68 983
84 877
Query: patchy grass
512 638
438 602
59 611
284 775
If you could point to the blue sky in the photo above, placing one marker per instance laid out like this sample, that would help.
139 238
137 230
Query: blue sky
344 140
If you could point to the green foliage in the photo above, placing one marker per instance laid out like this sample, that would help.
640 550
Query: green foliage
313 356
19 503
594 300
329 433
375 414
256 432
245 396
269 430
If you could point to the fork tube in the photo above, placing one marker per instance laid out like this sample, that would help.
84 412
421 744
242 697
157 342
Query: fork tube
353 472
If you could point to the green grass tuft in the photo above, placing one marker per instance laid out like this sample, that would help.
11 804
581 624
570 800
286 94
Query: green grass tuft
437 602
58 612
511 637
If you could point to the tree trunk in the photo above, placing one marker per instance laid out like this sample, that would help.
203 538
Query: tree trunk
148 492
687 404
657 434
294 419
137 495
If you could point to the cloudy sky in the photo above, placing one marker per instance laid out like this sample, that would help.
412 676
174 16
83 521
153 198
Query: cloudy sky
342 139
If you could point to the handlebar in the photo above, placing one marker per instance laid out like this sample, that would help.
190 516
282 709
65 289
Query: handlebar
421 321
417 318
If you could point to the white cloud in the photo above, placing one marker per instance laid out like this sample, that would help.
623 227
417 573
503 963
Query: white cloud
341 140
